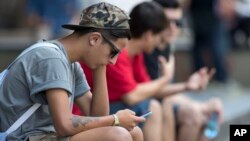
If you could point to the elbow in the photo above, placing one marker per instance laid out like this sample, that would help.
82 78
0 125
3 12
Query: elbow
63 129
131 102
62 132
130 99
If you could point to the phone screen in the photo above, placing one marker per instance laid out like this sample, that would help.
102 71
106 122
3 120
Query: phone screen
147 114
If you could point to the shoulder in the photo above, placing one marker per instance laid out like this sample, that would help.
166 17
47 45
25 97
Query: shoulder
43 53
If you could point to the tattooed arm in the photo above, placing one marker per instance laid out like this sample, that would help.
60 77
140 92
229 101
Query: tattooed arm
67 124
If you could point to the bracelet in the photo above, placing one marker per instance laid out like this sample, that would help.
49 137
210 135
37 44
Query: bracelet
116 122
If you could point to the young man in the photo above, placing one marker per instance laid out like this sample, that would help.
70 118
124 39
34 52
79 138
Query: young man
129 85
190 115
49 76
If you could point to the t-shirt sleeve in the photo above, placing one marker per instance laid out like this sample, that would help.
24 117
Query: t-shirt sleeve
120 78
49 74
81 83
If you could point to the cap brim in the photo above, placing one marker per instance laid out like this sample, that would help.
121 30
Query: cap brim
80 27
74 27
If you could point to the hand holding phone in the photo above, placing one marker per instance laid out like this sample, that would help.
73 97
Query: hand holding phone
147 114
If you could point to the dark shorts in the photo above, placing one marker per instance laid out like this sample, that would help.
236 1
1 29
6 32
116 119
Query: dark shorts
176 108
140 108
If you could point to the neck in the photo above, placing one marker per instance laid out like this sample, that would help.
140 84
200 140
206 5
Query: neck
72 47
135 47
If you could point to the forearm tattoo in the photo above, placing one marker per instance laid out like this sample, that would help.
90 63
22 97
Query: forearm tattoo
77 121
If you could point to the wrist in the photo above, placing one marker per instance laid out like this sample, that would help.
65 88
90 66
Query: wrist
116 120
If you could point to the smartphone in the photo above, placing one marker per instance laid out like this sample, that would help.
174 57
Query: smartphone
147 114
212 127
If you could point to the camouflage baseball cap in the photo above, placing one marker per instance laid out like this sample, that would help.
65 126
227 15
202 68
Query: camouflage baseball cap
102 15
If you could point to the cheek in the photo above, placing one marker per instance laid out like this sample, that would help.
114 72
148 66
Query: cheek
150 47
157 40
104 55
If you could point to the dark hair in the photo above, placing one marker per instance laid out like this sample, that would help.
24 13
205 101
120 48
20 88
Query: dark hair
169 3
113 34
147 16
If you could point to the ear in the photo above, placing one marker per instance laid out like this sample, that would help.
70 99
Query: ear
94 38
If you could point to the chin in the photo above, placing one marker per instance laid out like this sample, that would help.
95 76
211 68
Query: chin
93 67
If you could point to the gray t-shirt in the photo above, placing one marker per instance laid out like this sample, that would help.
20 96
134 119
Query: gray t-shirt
38 70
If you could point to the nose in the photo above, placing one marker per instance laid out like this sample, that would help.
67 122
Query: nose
113 60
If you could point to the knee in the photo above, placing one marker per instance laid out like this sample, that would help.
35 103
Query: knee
120 134
156 117
214 104
137 134
190 116
155 106
167 109
168 101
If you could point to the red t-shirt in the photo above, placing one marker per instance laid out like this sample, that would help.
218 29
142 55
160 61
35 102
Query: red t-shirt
122 77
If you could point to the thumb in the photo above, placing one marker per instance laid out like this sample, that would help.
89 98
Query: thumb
140 119
203 71
212 72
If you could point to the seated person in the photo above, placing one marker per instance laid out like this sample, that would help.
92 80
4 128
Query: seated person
190 116
49 74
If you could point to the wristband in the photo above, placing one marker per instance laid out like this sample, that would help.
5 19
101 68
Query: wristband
116 122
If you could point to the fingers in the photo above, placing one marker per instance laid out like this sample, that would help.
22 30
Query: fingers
211 73
203 70
217 106
128 119
206 76
139 119
130 111
135 122
162 59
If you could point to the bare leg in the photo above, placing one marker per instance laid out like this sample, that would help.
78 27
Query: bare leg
152 128
191 120
103 134
168 121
